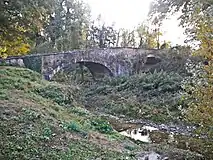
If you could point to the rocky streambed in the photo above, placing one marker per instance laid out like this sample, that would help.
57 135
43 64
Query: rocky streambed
180 136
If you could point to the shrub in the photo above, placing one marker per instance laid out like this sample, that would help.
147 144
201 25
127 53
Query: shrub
71 126
102 126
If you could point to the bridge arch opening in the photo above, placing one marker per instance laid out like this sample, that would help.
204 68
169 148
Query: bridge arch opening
96 69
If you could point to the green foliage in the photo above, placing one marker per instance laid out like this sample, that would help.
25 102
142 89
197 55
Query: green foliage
14 47
196 16
129 147
20 22
31 82
19 73
70 75
101 36
192 13
33 63
128 38
84 150
148 38
33 127
18 78
67 27
47 133
29 115
152 95
3 95
42 26
102 126
71 126
78 111
200 110
55 93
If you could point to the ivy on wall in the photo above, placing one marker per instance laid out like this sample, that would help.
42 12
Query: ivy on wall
33 63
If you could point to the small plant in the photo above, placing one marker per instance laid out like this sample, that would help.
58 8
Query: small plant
29 115
130 147
4 95
47 133
102 126
137 95
71 126
33 63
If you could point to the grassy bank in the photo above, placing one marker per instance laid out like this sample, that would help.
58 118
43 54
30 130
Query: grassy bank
42 120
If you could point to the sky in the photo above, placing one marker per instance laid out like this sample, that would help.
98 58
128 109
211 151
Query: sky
129 13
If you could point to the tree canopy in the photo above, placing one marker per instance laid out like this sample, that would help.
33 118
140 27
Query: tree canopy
36 26
197 17
21 21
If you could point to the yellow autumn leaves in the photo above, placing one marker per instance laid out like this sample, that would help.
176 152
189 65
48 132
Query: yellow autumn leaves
13 45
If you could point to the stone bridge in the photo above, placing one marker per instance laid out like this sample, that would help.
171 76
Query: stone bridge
110 61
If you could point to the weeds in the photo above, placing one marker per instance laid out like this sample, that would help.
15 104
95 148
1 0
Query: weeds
47 133
56 94
102 126
29 115
71 126
138 96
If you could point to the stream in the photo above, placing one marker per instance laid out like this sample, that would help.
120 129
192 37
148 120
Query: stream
153 135
179 136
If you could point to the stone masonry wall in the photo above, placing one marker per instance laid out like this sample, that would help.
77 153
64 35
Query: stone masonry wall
120 61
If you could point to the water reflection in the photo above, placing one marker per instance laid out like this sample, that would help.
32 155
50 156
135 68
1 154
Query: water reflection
150 134
142 133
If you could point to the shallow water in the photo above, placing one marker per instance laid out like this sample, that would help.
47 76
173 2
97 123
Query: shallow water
141 134
148 134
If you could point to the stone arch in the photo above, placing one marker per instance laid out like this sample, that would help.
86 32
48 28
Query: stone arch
93 67
96 68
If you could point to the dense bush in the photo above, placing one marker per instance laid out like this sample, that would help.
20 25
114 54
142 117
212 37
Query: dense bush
142 95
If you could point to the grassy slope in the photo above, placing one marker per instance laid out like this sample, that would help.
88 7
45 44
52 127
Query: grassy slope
42 120
35 125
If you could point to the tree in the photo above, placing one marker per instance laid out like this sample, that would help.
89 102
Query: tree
132 39
201 110
148 38
141 31
101 36
165 45
21 21
157 24
128 38
196 17
67 28
151 39
124 38
192 13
